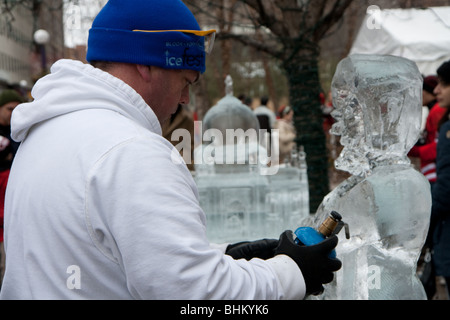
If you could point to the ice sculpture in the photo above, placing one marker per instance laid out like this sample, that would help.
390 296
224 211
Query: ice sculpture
385 202
243 197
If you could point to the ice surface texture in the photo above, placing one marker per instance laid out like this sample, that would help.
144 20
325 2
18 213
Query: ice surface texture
386 202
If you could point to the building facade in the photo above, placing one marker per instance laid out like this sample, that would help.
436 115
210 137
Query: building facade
22 60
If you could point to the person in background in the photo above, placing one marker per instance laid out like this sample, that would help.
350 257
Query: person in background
326 105
9 99
266 118
439 234
246 100
111 211
265 115
426 152
287 132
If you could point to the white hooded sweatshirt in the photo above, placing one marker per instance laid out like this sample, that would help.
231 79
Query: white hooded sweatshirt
97 209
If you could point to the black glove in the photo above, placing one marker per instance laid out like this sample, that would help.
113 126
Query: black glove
248 250
316 266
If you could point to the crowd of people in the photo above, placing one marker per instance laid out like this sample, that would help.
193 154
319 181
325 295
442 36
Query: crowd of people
435 155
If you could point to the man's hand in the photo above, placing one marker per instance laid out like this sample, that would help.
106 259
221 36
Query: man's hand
263 249
314 261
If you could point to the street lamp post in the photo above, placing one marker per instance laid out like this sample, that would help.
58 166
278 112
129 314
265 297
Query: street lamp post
42 37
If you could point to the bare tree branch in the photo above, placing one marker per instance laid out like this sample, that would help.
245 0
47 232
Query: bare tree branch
252 42
333 16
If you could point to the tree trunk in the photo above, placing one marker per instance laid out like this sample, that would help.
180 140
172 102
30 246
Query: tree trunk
269 82
303 76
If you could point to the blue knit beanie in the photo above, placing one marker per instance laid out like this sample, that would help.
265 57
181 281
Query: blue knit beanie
120 33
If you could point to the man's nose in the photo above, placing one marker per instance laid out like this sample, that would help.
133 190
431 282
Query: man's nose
184 99
437 89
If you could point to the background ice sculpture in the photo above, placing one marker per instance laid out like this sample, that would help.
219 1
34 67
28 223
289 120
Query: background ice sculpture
385 202
243 198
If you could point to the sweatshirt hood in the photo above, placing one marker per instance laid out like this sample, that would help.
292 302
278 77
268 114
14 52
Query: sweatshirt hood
73 86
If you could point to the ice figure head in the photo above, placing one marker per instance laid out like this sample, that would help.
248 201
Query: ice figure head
378 105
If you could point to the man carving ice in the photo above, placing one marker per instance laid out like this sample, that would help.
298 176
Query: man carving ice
386 202
97 207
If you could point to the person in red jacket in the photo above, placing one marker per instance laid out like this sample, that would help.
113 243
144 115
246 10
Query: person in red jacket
9 99
427 151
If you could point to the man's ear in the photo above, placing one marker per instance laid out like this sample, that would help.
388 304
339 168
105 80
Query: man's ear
144 72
